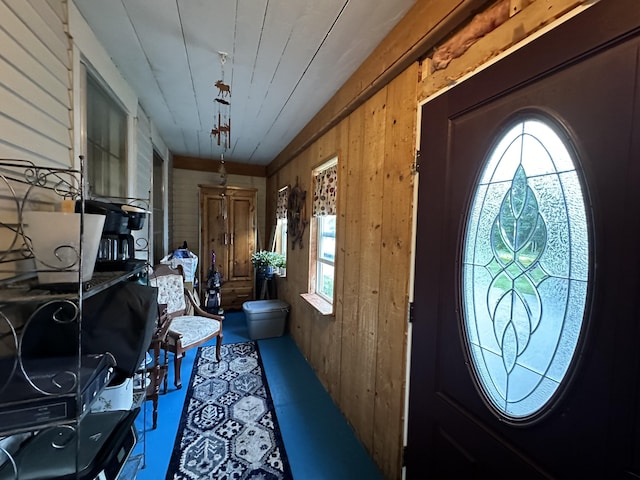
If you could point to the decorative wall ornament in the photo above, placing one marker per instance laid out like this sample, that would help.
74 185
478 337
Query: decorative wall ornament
296 214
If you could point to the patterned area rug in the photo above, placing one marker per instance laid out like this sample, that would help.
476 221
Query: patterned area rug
228 428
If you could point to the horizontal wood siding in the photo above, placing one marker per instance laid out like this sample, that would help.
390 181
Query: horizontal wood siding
35 102
35 82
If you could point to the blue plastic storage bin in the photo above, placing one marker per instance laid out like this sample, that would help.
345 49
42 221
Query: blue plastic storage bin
265 318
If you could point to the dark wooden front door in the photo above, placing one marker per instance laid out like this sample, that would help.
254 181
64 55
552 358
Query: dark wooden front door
585 75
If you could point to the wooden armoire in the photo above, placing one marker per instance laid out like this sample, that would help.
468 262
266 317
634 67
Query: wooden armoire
228 228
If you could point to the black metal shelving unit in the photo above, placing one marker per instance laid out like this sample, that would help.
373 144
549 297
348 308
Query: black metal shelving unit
46 390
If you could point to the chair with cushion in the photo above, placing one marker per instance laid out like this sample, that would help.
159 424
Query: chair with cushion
186 330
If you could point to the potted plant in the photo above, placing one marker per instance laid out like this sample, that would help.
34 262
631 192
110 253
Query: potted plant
265 261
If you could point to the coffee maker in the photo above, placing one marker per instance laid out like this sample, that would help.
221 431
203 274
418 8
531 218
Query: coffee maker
116 251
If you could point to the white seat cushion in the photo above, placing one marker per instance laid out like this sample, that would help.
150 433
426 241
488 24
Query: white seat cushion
194 328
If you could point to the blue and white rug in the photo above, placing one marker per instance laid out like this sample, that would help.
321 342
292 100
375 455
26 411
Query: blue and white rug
228 428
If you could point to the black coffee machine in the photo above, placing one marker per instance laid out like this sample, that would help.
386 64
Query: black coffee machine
116 251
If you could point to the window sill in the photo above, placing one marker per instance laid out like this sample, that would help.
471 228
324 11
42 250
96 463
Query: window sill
319 303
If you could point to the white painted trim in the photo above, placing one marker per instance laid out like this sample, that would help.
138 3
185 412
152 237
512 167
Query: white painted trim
158 143
165 208
97 57
325 165
87 50
78 84
132 156
412 276
88 53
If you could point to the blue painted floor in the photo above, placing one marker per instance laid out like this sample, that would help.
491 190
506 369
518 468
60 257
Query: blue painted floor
319 443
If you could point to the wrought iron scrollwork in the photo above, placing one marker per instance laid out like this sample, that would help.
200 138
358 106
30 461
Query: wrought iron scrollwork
27 184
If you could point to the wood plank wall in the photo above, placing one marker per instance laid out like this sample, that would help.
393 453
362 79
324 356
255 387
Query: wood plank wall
359 354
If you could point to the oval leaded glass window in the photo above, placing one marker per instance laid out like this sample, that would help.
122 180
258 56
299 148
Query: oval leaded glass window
525 270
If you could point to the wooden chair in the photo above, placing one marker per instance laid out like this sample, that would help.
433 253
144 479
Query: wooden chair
157 372
186 330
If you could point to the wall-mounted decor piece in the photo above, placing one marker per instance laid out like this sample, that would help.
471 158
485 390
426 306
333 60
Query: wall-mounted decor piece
296 221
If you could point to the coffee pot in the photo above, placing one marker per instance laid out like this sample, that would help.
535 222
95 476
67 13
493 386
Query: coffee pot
116 250
115 247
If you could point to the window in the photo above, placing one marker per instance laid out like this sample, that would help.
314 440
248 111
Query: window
106 131
323 237
280 240
158 208
524 285
326 242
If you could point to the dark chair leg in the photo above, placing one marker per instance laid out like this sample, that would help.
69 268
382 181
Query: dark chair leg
166 369
218 345
155 412
177 362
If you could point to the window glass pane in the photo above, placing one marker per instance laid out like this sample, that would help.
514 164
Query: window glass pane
106 142
326 254
525 270
327 237
281 222
325 280
281 236
283 243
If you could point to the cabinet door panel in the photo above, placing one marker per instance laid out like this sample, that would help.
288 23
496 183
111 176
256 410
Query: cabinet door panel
215 237
242 239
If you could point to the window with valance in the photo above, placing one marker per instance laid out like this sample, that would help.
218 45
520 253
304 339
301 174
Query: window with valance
281 206
325 189
280 240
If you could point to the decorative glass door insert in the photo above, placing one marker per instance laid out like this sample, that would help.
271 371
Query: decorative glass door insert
525 270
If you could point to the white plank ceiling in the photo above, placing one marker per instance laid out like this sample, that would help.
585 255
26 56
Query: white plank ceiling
284 60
